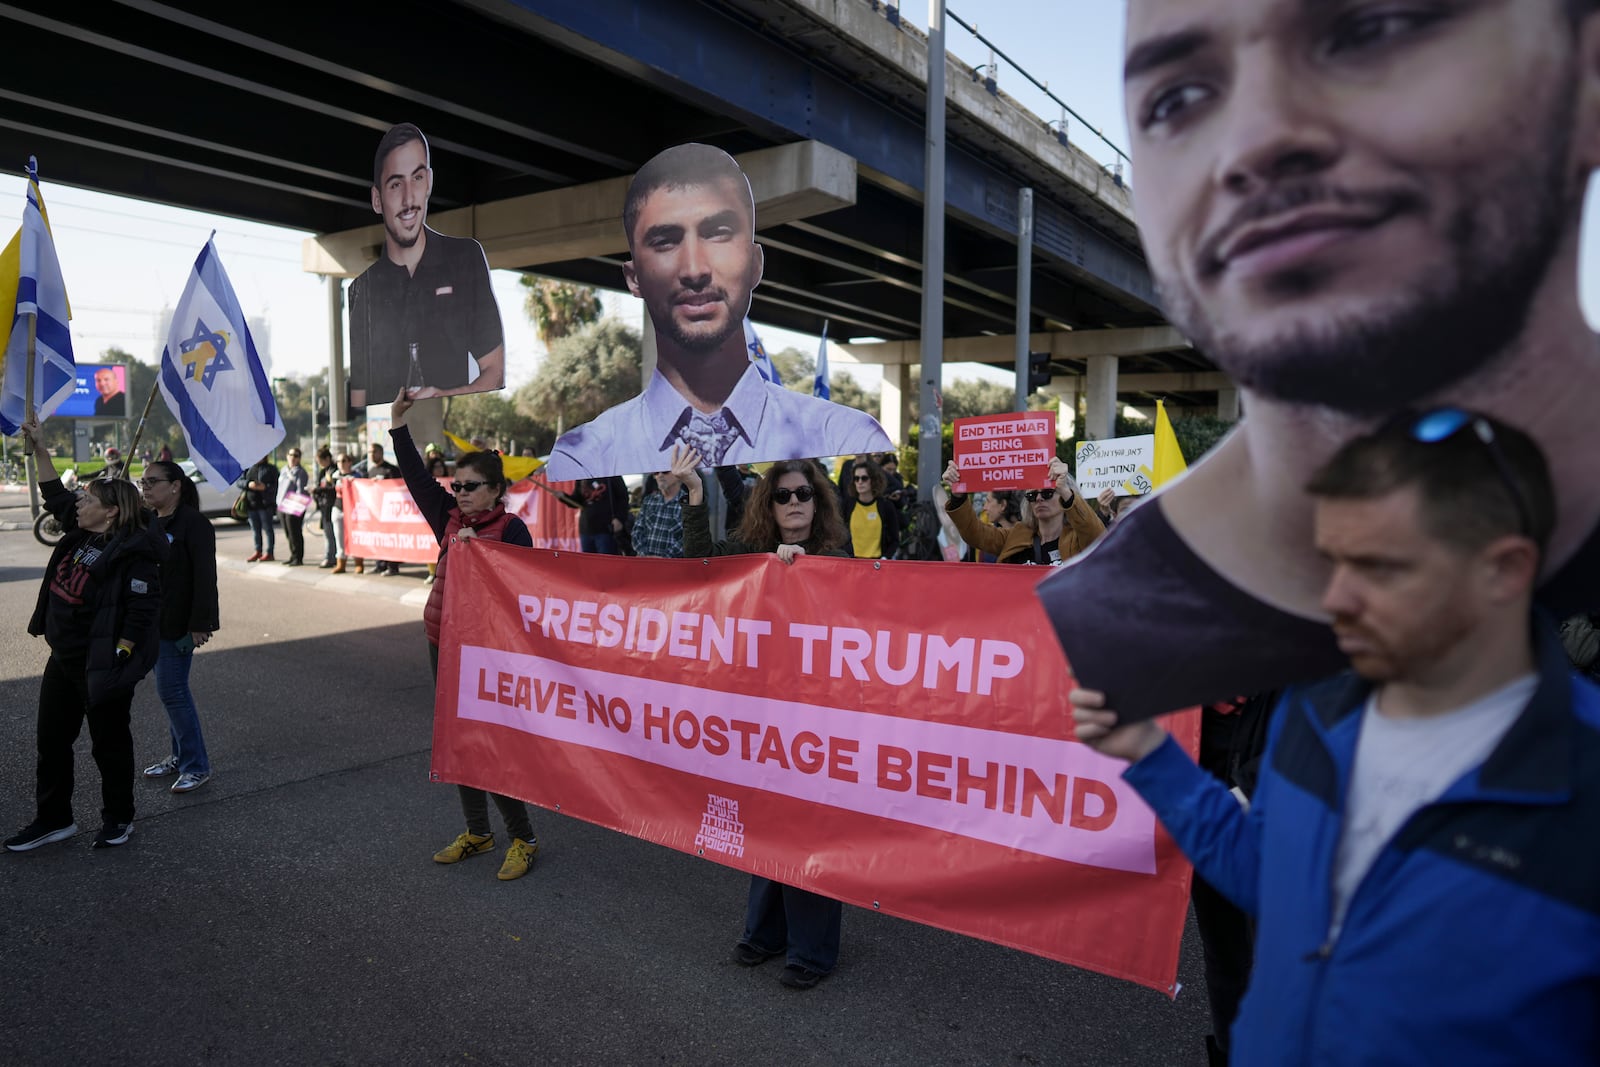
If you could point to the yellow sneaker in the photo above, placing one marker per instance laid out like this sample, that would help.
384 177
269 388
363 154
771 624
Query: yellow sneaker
519 857
468 844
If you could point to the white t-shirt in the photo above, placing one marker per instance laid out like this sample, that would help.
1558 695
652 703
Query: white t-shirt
1403 764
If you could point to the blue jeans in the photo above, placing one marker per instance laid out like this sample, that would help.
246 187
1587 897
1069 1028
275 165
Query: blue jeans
804 925
183 719
603 543
263 519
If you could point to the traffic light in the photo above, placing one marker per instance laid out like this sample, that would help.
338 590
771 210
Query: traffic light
1038 371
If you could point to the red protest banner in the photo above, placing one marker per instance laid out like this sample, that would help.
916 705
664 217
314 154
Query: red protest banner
1004 451
804 724
382 522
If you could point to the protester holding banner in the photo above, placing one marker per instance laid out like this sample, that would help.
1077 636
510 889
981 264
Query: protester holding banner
474 506
99 611
189 615
376 466
293 496
792 512
345 468
1418 851
659 529
261 500
872 520
1057 523
325 497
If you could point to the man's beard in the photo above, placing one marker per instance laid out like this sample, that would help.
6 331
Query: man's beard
1501 243
401 240
698 343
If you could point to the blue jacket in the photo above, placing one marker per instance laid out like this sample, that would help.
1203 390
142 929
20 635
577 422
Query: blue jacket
1475 936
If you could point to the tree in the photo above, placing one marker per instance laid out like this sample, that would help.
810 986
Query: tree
793 367
494 417
557 308
966 397
585 373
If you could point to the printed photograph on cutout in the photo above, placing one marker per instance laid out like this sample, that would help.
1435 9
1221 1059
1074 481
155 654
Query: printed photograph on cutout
693 259
424 315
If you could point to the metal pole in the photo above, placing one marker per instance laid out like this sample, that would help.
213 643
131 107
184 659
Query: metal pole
1024 291
930 446
313 421
28 413
338 413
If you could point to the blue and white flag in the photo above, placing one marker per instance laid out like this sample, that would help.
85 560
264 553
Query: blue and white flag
758 353
42 295
213 379
820 386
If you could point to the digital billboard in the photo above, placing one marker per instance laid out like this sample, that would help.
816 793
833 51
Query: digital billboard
101 393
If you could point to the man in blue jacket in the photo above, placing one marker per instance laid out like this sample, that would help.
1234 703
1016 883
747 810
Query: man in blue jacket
1419 853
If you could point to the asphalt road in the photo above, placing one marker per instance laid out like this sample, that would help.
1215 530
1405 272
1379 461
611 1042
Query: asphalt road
289 912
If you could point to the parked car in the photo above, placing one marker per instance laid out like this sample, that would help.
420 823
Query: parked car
214 500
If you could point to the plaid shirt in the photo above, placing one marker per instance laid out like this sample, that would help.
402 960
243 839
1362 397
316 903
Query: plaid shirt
659 528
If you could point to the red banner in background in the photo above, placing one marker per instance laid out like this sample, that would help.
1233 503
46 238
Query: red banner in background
813 725
381 521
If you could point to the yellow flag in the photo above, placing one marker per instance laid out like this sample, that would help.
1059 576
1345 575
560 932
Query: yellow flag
516 467
10 274
1169 457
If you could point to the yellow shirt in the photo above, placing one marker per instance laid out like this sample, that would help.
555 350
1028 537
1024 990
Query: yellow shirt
866 531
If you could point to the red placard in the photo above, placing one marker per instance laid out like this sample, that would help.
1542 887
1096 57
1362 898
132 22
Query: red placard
381 521
813 724
1004 451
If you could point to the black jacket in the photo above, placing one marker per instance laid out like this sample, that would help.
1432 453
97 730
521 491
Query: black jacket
888 518
262 499
126 591
189 576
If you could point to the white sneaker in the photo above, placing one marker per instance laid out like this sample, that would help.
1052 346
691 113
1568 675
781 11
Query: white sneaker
162 769
190 781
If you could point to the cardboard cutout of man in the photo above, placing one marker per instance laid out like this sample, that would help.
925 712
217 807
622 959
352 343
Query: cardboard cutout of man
1352 212
424 315
690 220
112 401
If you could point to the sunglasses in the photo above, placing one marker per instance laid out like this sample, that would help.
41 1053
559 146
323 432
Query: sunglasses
863 477
466 487
1442 424
145 483
1033 496
805 494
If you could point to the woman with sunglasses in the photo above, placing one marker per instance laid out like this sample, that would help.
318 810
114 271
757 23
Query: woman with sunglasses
792 511
99 611
873 521
473 506
1057 523
189 615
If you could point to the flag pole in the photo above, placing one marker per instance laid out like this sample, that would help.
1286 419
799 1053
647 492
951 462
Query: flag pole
127 468
28 409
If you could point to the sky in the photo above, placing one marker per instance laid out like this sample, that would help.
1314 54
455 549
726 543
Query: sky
124 260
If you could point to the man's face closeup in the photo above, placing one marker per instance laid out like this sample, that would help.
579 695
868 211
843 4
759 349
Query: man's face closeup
695 263
1400 598
402 199
105 382
1353 204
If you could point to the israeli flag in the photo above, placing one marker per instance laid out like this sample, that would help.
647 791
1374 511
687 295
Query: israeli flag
758 353
819 387
213 380
41 295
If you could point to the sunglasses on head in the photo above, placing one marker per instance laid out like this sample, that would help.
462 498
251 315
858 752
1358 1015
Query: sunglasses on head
1441 424
467 487
1033 496
805 494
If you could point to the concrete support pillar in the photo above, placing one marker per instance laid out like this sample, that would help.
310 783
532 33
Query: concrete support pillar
1228 404
894 401
338 409
1065 392
1100 416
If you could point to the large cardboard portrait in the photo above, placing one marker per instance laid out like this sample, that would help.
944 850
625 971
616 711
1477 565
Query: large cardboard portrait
1351 229
693 259
424 315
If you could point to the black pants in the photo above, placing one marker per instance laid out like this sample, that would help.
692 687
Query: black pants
294 533
475 802
1227 939
63 705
